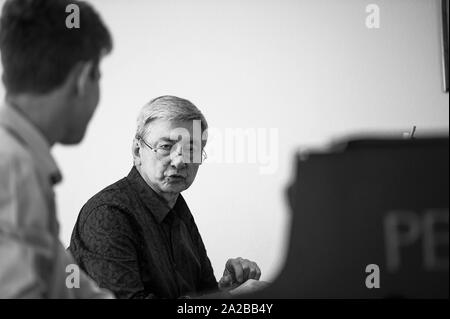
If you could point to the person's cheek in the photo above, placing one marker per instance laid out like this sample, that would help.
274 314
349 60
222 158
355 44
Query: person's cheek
161 170
190 178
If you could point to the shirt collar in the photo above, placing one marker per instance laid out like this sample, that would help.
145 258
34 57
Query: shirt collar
33 140
152 201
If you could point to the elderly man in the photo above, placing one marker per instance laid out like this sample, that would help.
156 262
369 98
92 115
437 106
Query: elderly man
137 237
51 76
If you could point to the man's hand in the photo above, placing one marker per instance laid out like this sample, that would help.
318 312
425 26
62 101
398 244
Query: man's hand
237 271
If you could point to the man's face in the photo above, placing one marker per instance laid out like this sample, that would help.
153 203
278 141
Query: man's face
168 173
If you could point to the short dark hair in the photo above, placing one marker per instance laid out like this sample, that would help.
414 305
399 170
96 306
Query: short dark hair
38 50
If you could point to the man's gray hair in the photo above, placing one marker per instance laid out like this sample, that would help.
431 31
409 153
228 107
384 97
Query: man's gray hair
170 108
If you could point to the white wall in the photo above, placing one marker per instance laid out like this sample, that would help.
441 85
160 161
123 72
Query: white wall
309 68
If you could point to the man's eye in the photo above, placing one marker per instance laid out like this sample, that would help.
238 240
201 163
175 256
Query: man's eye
165 147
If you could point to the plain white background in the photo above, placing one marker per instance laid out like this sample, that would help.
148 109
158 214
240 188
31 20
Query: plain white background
311 69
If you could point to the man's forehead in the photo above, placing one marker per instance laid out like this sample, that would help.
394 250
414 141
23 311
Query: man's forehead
174 131
168 125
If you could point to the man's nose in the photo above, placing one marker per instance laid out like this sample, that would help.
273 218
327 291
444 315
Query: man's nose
177 159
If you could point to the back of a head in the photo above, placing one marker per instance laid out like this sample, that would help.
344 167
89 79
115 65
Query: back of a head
38 50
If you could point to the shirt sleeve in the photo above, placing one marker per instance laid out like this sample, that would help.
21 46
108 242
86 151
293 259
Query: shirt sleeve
25 243
32 260
18 277
104 245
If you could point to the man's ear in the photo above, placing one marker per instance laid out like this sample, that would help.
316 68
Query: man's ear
135 149
82 74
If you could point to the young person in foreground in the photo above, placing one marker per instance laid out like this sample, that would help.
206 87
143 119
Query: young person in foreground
51 76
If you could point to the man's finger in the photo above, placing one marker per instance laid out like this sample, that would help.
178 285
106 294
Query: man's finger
252 273
246 267
255 272
225 281
235 268
258 272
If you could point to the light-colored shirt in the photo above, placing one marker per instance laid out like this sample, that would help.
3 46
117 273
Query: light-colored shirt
33 262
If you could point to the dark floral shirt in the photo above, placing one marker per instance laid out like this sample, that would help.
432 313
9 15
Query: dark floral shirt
130 242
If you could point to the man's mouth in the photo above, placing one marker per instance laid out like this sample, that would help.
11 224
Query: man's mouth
177 176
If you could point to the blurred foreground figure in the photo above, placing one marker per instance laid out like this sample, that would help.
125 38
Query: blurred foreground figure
370 220
51 75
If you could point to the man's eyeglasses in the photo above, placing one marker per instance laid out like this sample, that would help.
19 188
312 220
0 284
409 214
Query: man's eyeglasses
165 149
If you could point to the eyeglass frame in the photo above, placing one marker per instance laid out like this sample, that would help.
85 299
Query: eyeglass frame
155 149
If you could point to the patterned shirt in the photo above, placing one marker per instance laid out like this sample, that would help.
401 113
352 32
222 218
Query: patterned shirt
130 241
